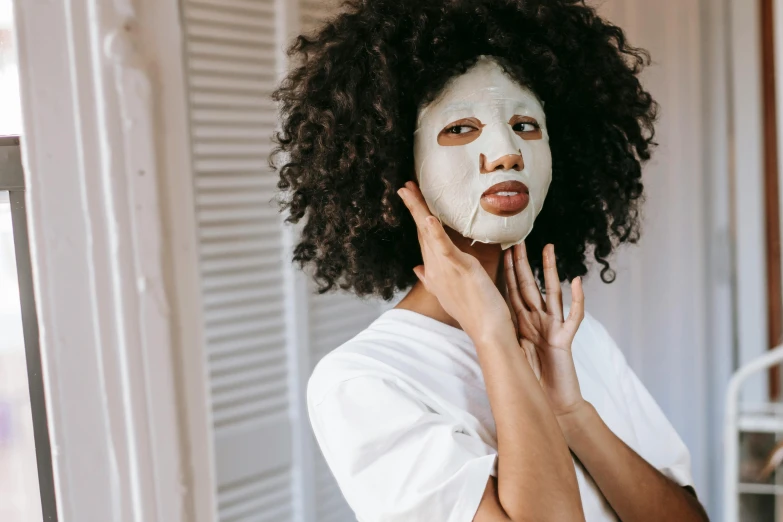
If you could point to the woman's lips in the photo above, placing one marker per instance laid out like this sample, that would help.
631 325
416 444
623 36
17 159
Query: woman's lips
506 199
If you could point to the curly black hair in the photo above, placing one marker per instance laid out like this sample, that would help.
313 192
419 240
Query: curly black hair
349 111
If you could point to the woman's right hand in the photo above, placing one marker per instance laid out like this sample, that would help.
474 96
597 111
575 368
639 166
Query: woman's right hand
457 279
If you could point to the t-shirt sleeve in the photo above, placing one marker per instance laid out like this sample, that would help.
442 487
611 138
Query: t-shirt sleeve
394 458
656 439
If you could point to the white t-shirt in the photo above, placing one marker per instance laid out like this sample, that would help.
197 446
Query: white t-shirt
402 417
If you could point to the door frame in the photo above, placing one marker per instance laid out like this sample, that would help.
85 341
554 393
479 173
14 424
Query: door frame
113 252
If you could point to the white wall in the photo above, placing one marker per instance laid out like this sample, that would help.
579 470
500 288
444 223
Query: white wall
657 309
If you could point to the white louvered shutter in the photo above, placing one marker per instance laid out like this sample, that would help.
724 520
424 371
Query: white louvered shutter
230 50
231 71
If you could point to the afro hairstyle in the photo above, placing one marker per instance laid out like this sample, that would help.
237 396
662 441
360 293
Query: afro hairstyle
348 113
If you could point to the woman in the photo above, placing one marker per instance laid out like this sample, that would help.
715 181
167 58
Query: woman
421 140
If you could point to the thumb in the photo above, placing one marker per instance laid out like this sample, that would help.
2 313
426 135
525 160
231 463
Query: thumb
419 271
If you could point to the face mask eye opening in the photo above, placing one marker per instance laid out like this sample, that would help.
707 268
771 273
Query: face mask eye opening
460 132
526 128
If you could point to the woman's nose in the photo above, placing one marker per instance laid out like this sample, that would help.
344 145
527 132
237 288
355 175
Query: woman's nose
507 162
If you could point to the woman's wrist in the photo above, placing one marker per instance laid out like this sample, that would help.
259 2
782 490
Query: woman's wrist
577 421
490 336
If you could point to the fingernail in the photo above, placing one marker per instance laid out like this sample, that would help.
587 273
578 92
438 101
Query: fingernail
401 193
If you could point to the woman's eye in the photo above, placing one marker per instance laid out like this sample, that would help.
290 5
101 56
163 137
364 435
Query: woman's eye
460 132
525 126
459 129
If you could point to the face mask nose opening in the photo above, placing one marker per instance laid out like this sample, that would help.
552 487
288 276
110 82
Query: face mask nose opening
503 163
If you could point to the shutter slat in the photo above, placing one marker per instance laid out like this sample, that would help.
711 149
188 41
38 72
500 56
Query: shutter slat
226 392
244 313
212 66
254 510
228 314
272 392
225 298
265 8
271 507
233 348
227 264
233 181
236 164
224 50
220 15
232 100
240 329
243 116
222 233
234 279
257 408
227 132
212 198
239 213
244 362
261 40
246 246
251 148
259 87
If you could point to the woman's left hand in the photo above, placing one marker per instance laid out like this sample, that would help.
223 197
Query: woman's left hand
543 332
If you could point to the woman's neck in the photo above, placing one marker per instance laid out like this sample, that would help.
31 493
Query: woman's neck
421 301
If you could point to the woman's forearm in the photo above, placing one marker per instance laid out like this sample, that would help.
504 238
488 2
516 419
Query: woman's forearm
536 477
636 491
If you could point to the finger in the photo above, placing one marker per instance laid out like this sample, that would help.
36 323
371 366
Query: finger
431 229
517 304
554 296
438 239
525 345
577 311
426 251
527 281
536 362
413 199
532 357
527 328
419 271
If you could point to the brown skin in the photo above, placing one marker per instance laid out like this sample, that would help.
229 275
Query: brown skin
524 347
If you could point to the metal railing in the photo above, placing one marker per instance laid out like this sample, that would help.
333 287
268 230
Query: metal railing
747 418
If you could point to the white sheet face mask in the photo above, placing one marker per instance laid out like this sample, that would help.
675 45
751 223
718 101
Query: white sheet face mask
484 129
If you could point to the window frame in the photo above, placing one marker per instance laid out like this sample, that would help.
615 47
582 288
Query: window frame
12 181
